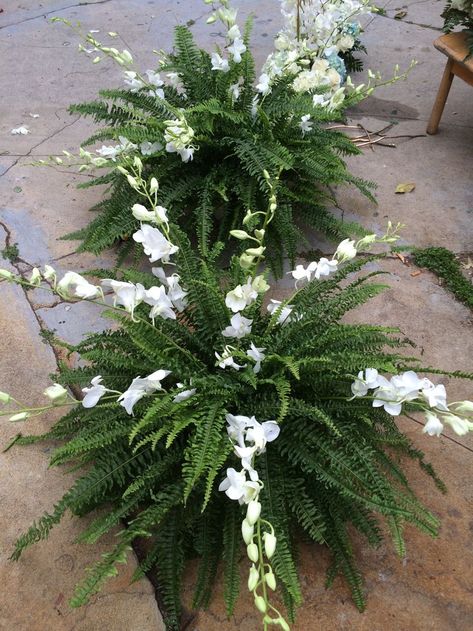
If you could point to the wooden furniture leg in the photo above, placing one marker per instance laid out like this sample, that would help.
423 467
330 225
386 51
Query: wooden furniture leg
441 99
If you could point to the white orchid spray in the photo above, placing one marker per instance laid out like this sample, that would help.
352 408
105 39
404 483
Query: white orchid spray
419 394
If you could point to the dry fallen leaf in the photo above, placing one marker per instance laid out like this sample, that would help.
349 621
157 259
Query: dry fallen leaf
406 187
400 14
418 273
404 260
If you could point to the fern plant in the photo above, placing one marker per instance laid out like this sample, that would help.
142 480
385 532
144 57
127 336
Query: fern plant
237 129
459 13
157 452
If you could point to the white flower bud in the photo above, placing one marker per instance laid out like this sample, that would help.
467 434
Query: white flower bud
270 580
253 512
239 234
255 251
273 206
126 57
283 624
137 163
153 185
260 604
259 284
246 261
132 181
266 174
122 170
345 251
252 551
4 397
368 240
269 544
35 278
464 407
247 532
4 273
253 578
259 234
49 273
56 393
96 60
211 19
141 213
21 416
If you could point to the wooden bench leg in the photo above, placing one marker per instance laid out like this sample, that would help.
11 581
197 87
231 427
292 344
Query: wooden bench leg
441 99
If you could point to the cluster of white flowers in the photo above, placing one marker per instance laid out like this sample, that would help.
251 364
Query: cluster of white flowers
408 388
178 136
249 439
234 46
308 47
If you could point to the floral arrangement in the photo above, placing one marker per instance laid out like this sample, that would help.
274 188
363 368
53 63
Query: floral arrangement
213 417
459 13
206 124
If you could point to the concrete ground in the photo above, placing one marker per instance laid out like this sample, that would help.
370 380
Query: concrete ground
42 73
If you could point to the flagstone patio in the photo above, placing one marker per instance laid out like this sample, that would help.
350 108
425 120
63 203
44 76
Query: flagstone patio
42 73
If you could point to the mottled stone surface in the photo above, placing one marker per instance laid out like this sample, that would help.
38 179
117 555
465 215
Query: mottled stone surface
42 74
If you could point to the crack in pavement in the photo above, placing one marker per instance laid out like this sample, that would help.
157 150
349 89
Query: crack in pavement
403 21
43 15
42 327
28 154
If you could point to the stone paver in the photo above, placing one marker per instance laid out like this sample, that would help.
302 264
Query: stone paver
43 74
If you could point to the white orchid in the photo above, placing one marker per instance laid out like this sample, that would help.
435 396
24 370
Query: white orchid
177 295
150 148
225 360
304 273
387 396
160 303
239 327
407 385
126 294
264 84
436 396
305 124
365 381
75 285
133 81
155 244
285 313
95 393
237 487
346 251
257 355
434 426
219 63
237 49
325 267
140 387
242 296
184 394
261 433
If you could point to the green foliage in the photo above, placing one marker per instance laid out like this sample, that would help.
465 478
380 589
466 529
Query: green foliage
446 266
454 16
235 142
10 252
334 469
